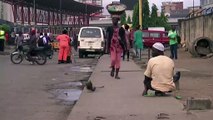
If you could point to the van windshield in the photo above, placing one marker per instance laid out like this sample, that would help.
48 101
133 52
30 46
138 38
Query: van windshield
91 33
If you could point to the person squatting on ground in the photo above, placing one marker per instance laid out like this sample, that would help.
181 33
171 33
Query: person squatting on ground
138 41
173 42
64 42
159 72
116 45
128 45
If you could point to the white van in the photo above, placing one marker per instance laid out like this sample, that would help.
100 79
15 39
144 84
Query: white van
90 41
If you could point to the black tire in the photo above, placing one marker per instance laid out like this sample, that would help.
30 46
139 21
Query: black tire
41 60
16 58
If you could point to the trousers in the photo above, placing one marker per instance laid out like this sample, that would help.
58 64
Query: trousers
63 53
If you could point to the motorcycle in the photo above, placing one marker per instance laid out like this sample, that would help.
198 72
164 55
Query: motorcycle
38 55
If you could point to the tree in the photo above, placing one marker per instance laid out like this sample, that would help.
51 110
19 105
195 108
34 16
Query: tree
123 18
154 16
135 17
164 21
146 14
129 20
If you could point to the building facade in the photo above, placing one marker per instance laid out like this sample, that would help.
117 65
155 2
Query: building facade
129 3
206 3
92 2
167 7
6 12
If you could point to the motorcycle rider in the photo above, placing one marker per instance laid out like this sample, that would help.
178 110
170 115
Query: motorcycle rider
32 45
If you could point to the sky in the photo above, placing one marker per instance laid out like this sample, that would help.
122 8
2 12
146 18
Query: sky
186 3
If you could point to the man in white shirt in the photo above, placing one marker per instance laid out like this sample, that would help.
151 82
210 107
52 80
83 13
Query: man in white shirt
159 72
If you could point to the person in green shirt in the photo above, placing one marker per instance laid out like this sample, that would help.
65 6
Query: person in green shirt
2 39
138 41
173 43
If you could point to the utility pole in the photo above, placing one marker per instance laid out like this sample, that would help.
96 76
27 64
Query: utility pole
34 7
60 15
193 8
140 12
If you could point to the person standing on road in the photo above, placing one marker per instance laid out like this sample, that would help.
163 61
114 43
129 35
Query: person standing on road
132 37
2 39
19 41
159 72
128 45
64 41
138 41
173 43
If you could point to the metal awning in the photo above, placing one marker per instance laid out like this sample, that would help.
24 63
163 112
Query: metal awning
69 6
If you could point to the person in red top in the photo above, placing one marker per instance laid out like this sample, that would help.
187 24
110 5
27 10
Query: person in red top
64 42
7 37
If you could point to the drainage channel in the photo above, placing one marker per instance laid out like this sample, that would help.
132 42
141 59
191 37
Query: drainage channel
68 93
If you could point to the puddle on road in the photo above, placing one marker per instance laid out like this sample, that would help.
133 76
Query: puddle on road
81 69
67 96
67 93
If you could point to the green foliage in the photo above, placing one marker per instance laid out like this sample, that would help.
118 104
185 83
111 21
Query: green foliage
146 14
129 20
5 27
135 17
150 18
123 18
154 16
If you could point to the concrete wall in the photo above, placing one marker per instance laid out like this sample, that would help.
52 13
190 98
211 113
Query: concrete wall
195 29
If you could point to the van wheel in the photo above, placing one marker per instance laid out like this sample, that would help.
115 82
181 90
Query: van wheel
80 54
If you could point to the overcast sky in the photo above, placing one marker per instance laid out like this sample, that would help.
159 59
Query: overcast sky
187 3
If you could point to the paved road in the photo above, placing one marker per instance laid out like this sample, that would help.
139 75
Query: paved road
24 89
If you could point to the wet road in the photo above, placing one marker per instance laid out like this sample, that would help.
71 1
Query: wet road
33 92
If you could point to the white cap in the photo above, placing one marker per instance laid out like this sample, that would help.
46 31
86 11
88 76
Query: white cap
159 46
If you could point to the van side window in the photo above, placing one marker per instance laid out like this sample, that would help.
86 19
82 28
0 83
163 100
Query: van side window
145 34
155 35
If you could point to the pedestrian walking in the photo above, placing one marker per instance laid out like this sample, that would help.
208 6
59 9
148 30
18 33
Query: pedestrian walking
173 42
2 39
64 40
128 41
75 42
138 41
132 37
116 42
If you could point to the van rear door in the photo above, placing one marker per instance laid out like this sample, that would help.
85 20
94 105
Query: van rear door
91 38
